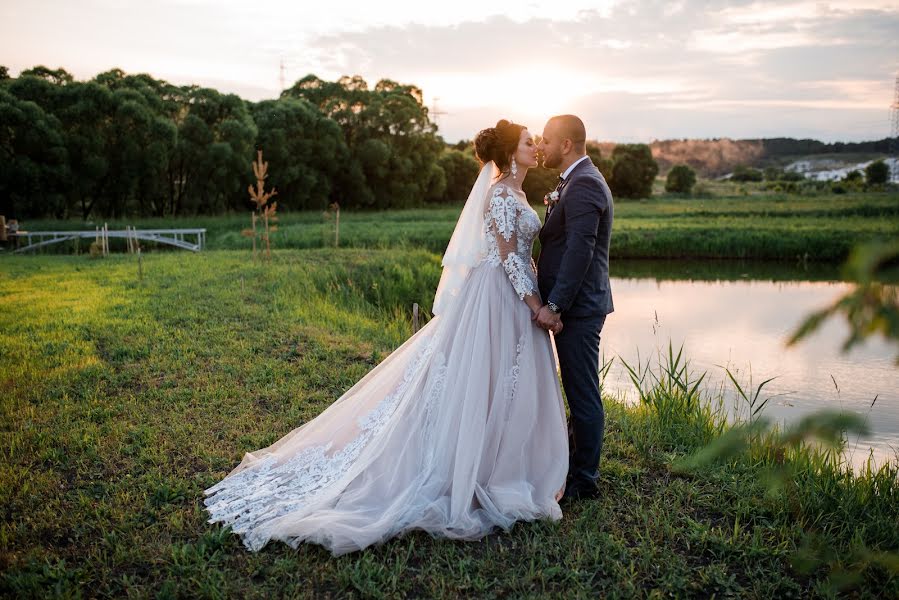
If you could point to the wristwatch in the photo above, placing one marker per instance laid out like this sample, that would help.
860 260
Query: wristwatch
553 308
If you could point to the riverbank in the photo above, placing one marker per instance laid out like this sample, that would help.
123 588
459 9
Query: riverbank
123 399
761 226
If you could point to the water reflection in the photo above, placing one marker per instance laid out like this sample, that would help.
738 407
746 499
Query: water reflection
738 315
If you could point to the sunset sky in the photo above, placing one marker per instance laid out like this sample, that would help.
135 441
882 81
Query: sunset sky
634 70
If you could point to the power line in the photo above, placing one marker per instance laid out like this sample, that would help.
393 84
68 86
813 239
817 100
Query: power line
436 113
894 132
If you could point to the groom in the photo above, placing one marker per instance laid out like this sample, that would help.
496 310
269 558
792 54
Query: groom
573 276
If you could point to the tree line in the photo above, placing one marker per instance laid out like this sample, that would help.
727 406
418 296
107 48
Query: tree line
792 147
131 145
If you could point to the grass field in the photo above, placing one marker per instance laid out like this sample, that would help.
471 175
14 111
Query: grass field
757 226
123 399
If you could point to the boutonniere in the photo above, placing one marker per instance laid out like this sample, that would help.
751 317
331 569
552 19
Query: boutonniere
551 199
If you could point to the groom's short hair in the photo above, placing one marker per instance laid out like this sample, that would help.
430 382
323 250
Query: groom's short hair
572 128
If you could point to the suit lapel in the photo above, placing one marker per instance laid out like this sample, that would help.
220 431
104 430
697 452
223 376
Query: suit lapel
562 187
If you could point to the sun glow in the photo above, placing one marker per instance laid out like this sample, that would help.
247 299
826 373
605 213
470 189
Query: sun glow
526 93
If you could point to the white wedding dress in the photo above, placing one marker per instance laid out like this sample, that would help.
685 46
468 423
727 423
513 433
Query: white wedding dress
457 432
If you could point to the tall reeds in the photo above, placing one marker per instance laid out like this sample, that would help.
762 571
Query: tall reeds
265 213
848 517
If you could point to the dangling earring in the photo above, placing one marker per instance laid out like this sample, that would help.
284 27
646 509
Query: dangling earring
514 167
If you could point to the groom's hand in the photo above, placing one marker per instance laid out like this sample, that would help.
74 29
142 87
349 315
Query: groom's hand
548 320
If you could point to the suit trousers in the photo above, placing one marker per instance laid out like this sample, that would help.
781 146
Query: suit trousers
578 348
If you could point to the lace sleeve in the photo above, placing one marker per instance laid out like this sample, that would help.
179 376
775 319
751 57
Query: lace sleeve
502 223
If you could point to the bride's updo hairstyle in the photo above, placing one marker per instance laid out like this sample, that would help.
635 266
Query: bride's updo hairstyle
498 143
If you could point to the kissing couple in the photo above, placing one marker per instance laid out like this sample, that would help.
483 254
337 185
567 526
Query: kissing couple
462 429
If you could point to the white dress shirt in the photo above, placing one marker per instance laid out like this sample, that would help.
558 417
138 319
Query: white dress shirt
573 165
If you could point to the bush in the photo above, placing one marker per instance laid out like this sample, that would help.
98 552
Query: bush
877 173
744 173
792 176
853 176
681 179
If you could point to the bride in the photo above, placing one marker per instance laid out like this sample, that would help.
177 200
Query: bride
459 431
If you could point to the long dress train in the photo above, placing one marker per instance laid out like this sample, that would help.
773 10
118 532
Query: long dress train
458 431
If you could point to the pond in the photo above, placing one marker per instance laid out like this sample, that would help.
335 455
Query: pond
738 315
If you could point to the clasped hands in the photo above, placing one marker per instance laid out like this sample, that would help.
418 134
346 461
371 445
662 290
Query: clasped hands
548 320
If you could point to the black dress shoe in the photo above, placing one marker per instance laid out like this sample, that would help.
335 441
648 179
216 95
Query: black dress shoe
576 492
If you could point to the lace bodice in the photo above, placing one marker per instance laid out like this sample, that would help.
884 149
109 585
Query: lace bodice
511 226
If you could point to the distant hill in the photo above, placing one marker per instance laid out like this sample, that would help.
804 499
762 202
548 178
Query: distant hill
715 157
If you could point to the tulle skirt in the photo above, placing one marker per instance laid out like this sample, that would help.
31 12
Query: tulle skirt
459 431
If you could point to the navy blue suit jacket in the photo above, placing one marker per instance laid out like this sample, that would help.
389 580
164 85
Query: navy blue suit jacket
573 266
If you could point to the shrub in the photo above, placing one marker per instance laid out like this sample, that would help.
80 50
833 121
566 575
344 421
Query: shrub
877 173
853 176
681 179
744 173
792 176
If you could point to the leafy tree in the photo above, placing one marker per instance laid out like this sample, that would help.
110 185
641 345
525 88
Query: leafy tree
118 142
389 135
208 168
681 179
4 73
460 169
54 76
594 152
162 97
40 90
141 144
33 160
605 167
633 171
137 144
85 110
306 151
877 173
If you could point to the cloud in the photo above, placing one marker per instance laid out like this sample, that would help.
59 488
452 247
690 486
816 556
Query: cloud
742 69
634 69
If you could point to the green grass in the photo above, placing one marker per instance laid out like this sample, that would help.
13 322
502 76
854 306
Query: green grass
120 401
758 226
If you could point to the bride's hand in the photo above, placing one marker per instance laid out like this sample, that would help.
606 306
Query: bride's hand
557 328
